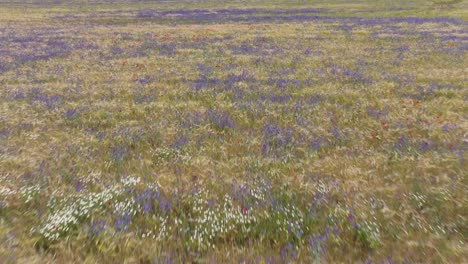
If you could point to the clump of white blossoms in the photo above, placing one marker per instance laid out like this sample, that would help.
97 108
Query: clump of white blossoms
65 218
126 206
68 211
216 221
130 181
369 232
289 221
165 154
164 229
6 191
59 223
418 199
5 194
29 193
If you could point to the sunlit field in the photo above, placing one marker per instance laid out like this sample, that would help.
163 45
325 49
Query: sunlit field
233 132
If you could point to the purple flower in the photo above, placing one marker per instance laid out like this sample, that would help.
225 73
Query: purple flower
71 113
79 186
119 153
245 48
145 80
424 145
276 139
180 141
204 83
50 101
4 133
402 144
220 120
147 207
96 227
146 13
191 120
167 49
204 70
283 253
316 143
121 224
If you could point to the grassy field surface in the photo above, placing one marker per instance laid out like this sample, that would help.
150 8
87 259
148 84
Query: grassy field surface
233 131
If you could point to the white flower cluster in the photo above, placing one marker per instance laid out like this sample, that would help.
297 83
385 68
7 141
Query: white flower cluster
130 181
237 216
91 201
418 198
185 158
217 221
55 199
160 230
444 195
60 223
91 177
164 229
6 191
154 186
65 219
258 194
165 154
127 206
289 219
148 234
322 188
29 193
371 231
68 211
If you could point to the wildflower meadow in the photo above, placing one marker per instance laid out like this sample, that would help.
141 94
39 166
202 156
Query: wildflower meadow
321 131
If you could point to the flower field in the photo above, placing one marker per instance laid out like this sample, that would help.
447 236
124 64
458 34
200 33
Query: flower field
233 132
